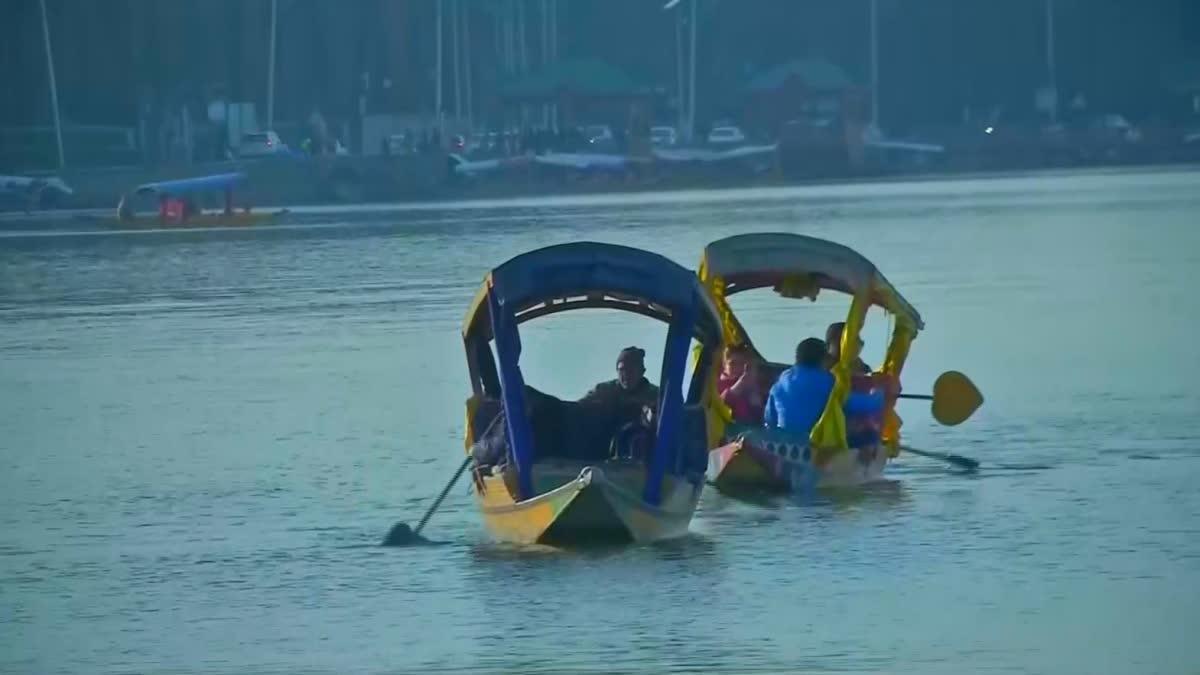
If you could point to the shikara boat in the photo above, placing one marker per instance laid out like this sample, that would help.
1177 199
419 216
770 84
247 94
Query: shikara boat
550 471
797 266
177 204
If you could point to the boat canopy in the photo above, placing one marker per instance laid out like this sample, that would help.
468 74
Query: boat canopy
748 261
185 186
586 274
589 275
799 266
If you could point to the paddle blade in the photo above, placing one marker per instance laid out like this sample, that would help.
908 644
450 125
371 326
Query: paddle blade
403 535
965 463
955 398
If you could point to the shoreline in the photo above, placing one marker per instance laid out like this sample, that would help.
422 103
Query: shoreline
503 194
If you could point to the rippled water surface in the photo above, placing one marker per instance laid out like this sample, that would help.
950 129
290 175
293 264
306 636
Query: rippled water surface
205 435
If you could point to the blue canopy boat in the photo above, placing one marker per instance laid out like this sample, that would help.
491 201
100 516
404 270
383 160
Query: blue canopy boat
177 204
554 472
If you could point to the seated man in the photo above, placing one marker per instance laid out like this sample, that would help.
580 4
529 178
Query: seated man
833 339
616 404
740 386
798 398
631 390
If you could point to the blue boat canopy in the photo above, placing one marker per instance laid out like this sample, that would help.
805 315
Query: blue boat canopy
590 274
215 183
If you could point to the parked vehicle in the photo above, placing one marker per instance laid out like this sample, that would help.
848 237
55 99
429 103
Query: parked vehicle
726 135
261 143
598 134
663 136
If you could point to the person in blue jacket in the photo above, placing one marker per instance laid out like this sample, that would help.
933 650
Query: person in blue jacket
798 397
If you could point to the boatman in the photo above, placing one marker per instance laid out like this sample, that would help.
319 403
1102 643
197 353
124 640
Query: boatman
624 409
862 380
631 390
833 339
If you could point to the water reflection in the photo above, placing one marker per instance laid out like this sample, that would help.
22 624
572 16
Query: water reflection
692 548
882 494
282 393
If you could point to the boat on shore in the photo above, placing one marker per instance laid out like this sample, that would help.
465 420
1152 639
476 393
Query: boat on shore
177 205
755 458
557 472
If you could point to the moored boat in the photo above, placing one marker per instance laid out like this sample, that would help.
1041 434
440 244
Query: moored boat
558 472
798 266
177 205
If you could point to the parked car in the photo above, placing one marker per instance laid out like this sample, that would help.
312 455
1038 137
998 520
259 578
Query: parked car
726 135
598 134
261 143
1115 127
663 135
400 144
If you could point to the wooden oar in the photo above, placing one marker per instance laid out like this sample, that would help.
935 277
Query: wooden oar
965 463
402 535
955 398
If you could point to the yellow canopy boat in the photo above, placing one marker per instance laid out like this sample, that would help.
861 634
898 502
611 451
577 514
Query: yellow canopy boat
798 266
560 472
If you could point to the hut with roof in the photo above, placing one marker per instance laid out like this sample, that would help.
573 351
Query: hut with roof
813 90
583 91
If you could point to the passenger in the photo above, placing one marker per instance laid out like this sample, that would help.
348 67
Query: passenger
862 429
631 390
798 398
833 338
740 385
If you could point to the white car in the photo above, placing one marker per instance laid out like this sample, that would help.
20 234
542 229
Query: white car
727 135
598 134
1117 126
261 143
663 136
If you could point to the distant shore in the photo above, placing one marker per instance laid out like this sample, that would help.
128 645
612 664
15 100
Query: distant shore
272 189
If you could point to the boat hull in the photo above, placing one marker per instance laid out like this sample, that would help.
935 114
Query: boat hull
756 464
595 504
201 220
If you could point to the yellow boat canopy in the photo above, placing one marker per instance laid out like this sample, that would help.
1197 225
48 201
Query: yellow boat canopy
799 266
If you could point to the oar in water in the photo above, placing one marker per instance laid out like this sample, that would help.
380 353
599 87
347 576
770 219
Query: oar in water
965 463
402 535
955 398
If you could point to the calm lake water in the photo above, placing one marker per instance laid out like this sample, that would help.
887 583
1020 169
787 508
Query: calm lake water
206 434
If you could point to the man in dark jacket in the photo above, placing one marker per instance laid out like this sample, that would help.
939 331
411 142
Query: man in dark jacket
613 411
631 390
